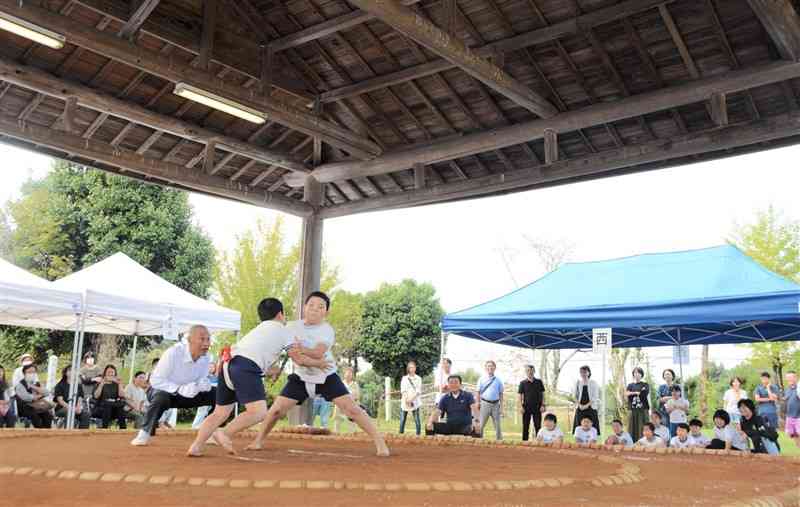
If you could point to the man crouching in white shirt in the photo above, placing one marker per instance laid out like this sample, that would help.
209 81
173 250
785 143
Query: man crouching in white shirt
316 339
179 381
241 377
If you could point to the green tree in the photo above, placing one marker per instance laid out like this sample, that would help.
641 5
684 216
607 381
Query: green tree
774 242
263 264
76 216
347 310
401 323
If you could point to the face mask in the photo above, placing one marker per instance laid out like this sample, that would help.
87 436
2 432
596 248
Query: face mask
30 377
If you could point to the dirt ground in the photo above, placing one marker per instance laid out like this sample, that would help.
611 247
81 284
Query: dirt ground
668 480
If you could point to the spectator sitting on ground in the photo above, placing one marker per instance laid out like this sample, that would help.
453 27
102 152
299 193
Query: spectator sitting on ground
681 440
459 407
677 408
136 398
586 433
758 429
8 414
619 436
61 397
767 395
110 399
660 430
31 399
726 436
550 433
650 439
696 434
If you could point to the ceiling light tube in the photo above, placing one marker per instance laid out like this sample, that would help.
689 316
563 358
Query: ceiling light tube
220 103
30 31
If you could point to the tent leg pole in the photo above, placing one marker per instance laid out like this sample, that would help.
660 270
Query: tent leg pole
133 357
603 392
73 360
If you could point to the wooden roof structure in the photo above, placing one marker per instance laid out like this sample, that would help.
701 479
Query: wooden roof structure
381 104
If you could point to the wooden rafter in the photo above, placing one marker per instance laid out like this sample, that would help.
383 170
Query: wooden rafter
637 105
156 64
422 31
538 36
782 23
137 19
668 151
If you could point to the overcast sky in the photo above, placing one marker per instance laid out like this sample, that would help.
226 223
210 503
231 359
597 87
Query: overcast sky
460 247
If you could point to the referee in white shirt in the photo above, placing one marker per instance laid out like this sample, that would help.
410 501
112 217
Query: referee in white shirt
179 381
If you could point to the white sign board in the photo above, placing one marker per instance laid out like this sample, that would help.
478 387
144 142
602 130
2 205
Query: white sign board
601 339
680 354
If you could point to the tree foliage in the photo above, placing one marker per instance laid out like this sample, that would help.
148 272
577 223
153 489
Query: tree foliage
774 242
346 317
263 264
76 216
401 323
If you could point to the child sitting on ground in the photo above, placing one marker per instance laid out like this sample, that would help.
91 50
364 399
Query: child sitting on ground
620 436
585 433
696 434
660 430
725 435
650 439
681 440
550 433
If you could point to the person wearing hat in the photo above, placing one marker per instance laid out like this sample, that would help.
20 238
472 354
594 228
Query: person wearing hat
90 375
24 360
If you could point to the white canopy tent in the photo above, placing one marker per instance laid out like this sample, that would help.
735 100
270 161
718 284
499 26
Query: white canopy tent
122 297
29 301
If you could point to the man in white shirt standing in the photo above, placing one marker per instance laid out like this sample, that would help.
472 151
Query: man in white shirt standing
316 339
179 381
490 399
242 373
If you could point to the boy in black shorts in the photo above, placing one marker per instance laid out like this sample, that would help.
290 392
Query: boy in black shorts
316 339
241 377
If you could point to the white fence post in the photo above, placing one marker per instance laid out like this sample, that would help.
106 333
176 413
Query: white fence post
388 397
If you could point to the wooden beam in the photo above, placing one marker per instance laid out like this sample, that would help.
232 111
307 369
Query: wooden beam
207 38
208 157
228 51
326 28
719 109
782 23
137 19
637 105
419 29
70 108
677 38
575 26
550 146
45 83
419 176
167 68
129 161
653 154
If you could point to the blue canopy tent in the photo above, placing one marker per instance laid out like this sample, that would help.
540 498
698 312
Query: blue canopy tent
709 296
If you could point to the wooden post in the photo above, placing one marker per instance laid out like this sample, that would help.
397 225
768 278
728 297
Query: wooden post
387 389
550 146
209 27
208 157
70 107
419 176
267 54
719 109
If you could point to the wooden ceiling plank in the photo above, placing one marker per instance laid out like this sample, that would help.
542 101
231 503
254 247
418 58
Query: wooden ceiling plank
781 22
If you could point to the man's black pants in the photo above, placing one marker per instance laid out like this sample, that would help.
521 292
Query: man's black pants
161 401
445 428
527 415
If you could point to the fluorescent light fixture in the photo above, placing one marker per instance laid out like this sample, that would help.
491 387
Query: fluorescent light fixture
216 102
30 31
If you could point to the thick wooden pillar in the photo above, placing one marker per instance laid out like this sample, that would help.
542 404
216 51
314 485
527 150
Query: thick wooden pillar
310 275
